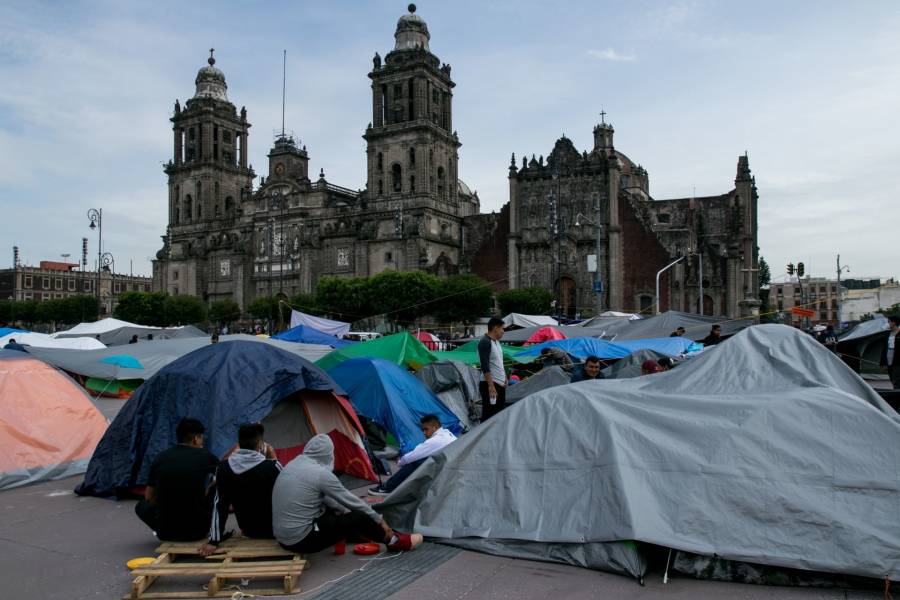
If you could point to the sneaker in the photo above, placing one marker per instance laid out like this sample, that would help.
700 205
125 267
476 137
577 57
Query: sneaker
378 491
405 541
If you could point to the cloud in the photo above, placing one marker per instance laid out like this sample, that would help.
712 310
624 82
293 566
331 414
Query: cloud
611 55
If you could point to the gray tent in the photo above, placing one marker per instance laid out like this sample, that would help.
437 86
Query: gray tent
519 336
456 384
697 326
861 347
768 450
151 355
630 366
122 335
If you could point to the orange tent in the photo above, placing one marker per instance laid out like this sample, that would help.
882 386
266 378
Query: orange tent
545 334
48 426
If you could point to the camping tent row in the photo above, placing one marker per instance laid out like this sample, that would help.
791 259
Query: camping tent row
768 451
228 384
118 370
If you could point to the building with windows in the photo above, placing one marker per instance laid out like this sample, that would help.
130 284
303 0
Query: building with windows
228 239
53 280
860 302
816 293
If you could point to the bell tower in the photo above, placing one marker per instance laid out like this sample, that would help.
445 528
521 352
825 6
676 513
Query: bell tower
412 148
208 180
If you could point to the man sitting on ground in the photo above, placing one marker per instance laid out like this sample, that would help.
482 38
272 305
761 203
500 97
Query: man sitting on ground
679 331
244 481
665 363
714 337
311 510
177 503
436 439
589 369
12 344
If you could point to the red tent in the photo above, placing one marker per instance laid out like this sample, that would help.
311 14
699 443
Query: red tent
429 340
545 334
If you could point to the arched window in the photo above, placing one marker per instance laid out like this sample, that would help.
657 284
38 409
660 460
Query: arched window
229 206
379 162
397 178
380 187
176 213
440 182
216 210
412 157
188 208
431 183
412 184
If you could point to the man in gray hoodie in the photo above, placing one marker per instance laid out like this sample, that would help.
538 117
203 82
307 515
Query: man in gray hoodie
312 510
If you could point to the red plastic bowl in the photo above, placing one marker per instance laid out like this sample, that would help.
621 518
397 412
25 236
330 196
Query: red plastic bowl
366 549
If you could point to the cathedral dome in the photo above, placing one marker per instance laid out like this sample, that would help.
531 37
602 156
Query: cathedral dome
462 189
210 81
412 32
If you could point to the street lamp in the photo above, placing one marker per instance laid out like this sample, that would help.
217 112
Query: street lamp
659 273
96 218
598 285
840 268
106 259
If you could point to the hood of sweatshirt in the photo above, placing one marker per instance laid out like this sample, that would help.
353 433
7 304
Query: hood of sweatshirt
242 460
321 450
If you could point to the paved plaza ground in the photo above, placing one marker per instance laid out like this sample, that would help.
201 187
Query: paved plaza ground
55 545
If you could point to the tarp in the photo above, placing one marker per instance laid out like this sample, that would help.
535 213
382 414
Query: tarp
114 332
581 348
224 386
387 394
545 334
5 331
518 320
48 426
630 366
874 326
468 353
336 328
518 336
546 378
456 385
696 327
767 450
43 340
305 334
400 348
154 355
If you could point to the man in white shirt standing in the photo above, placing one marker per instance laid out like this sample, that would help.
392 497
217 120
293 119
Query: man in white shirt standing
436 439
493 375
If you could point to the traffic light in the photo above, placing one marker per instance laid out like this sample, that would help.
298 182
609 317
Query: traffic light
790 268
800 270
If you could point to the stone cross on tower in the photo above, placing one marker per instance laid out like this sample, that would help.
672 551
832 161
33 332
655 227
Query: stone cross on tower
211 60
603 116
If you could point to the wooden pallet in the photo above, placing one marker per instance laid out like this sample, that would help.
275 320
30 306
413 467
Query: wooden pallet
236 558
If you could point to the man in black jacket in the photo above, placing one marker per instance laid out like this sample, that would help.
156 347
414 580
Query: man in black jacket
177 501
890 358
244 481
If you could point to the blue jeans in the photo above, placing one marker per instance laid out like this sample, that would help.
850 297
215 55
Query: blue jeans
400 476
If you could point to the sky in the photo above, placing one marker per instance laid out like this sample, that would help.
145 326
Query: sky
809 89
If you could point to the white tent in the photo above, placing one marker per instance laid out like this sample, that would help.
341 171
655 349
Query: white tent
42 340
336 328
518 320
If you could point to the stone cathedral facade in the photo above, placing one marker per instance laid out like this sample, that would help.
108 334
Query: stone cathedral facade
227 239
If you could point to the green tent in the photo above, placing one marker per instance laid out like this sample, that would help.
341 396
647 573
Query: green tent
468 353
400 348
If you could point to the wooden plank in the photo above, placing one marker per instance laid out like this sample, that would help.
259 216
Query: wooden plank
140 583
226 564
215 582
199 594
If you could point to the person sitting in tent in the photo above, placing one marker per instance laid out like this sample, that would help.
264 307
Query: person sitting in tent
12 344
244 481
665 364
133 340
311 510
890 356
649 367
552 356
436 439
679 331
589 369
714 337
177 503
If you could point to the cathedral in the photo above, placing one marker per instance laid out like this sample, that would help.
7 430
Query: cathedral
227 239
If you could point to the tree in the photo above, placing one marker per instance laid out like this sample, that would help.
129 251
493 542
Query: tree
77 309
25 311
464 297
890 312
263 308
765 278
528 301
224 312
403 297
308 303
344 298
143 308
183 310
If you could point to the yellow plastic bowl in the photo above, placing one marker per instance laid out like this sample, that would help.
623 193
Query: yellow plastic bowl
134 563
